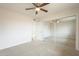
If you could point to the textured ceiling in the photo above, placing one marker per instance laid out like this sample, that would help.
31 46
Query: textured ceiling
52 8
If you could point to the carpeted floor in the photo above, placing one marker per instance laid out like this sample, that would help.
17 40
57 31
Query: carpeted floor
42 48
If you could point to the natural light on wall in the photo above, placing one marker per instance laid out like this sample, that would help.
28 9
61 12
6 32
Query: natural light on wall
41 30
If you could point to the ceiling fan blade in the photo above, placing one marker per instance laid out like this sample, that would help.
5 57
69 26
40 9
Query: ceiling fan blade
35 4
43 4
43 10
29 8
36 12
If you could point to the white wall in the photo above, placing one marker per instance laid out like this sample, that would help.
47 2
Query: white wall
15 28
66 13
77 32
63 30
66 30
41 30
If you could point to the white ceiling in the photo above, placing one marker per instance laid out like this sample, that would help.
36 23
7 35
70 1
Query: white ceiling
52 8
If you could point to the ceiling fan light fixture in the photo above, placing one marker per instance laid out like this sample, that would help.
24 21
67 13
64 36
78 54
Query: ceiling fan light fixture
37 9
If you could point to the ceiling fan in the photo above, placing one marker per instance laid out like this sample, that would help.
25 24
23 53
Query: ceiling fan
38 7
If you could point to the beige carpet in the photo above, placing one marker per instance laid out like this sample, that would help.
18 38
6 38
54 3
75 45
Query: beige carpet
42 48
